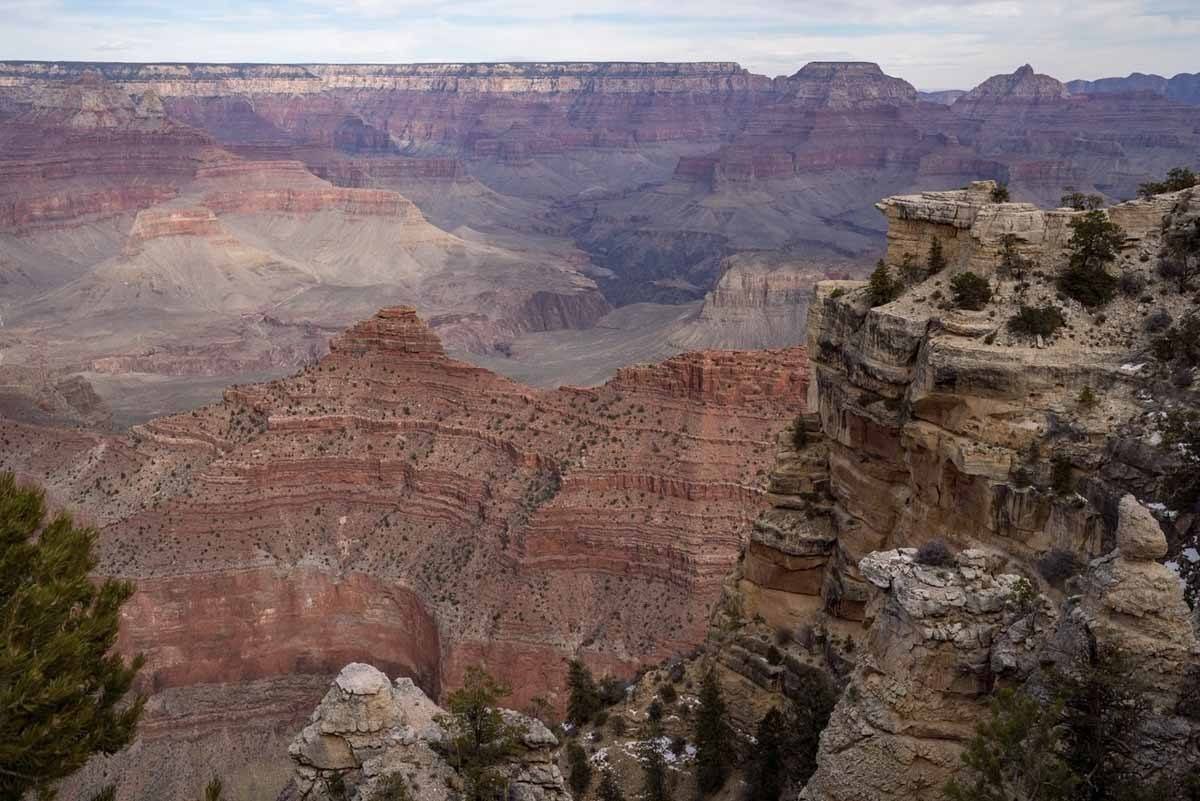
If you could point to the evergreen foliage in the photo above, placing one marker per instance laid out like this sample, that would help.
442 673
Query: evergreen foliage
765 774
654 774
1180 259
937 259
1177 178
1073 745
1036 321
63 691
479 738
584 700
799 434
1074 199
1000 193
393 788
579 768
712 736
787 740
609 790
883 288
970 291
1094 243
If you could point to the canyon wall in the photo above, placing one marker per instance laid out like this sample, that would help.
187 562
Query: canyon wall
391 503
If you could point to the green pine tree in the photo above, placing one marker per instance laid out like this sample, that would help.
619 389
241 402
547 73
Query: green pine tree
937 259
479 737
766 772
882 288
654 773
712 736
579 769
609 790
63 691
584 700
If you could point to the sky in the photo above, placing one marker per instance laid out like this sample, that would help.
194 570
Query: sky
934 45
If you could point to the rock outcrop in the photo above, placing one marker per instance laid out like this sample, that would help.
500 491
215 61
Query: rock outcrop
368 731
900 727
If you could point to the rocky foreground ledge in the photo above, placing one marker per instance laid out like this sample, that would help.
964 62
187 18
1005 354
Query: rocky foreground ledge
368 730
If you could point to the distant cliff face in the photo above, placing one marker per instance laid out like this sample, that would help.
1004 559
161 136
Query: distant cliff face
1184 87
391 503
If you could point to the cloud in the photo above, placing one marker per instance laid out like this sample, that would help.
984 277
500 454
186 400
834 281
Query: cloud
932 43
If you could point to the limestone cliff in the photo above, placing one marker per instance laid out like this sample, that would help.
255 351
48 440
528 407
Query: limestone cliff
368 732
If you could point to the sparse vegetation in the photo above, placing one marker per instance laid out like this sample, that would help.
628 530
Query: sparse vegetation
63 691
882 288
1000 193
478 736
712 736
937 259
970 291
609 790
799 434
1180 258
1057 565
1075 746
935 553
393 788
1178 178
1032 321
1181 437
584 698
654 774
1074 199
1087 398
579 768
1094 243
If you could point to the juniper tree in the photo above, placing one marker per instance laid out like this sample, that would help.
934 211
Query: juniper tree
584 701
64 692
609 790
712 736
937 259
479 738
654 773
1094 243
882 288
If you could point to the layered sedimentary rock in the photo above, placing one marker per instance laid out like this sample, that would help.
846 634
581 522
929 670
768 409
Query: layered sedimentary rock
899 729
392 503
368 732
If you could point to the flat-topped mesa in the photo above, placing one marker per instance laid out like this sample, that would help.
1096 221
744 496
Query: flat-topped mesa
847 85
396 329
208 80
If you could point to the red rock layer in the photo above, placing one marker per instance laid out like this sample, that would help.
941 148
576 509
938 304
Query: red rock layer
392 503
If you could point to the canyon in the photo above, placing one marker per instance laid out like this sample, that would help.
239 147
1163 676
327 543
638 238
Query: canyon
394 504
166 229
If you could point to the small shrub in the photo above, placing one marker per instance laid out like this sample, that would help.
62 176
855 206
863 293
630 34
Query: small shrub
1033 321
774 656
1057 565
1131 284
1159 320
837 292
655 711
882 288
618 725
1073 199
392 788
678 743
935 553
1087 398
1060 475
667 693
970 291
799 434
783 636
1000 193
601 717
612 691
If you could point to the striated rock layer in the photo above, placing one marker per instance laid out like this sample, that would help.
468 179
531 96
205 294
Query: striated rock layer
392 503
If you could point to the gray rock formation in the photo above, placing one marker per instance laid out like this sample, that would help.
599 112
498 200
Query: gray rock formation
368 730
899 728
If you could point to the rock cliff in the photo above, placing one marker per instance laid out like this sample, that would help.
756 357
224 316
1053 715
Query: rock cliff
391 503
